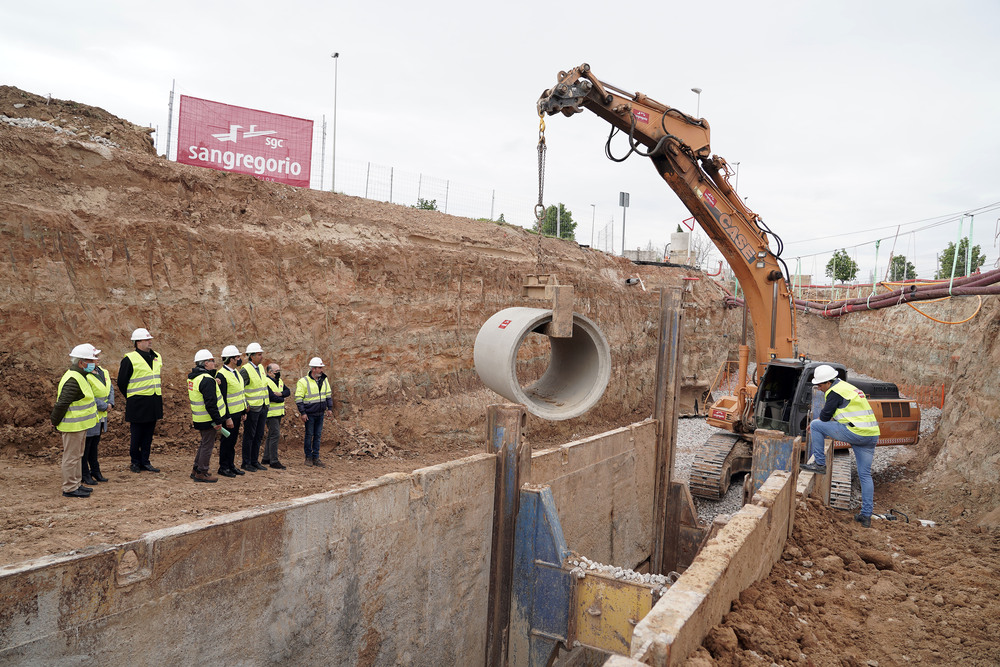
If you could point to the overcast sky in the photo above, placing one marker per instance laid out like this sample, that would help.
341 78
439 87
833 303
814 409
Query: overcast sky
848 119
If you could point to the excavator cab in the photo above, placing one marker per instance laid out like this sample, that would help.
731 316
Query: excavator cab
785 395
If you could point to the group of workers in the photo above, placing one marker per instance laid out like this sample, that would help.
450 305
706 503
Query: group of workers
221 399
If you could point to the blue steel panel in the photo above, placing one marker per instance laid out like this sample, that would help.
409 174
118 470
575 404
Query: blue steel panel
541 588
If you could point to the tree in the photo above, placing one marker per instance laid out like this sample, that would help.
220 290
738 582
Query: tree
566 224
948 256
900 269
841 267
426 204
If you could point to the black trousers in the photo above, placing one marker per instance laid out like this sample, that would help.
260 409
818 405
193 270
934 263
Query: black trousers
227 445
89 466
253 433
140 442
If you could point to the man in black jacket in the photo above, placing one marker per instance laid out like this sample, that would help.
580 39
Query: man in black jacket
139 381
208 412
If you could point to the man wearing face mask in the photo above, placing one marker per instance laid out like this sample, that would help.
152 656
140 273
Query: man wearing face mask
231 387
314 400
75 411
277 392
256 416
104 394
139 381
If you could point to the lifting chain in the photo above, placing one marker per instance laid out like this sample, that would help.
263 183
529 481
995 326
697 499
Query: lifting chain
540 207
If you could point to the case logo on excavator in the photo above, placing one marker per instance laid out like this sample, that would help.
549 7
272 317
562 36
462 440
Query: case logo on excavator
640 116
741 242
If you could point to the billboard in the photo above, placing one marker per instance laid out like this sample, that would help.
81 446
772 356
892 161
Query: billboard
220 136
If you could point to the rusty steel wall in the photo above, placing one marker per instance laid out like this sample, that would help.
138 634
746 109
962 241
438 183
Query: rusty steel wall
391 572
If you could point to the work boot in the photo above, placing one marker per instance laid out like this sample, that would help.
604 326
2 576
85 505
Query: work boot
309 461
812 467
204 477
319 464
864 519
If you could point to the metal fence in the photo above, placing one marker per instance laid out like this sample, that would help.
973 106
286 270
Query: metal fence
396 186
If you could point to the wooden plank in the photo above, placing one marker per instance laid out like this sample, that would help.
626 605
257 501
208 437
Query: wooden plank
504 425
666 517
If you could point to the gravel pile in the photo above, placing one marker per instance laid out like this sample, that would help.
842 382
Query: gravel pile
71 131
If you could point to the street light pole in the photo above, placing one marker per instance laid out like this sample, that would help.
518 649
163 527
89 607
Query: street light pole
593 221
697 91
336 60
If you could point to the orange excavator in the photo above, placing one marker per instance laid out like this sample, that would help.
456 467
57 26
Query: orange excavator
780 396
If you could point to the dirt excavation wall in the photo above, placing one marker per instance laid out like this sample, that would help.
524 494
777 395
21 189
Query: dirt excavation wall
394 571
97 241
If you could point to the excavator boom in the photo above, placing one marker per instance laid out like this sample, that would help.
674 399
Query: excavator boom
679 147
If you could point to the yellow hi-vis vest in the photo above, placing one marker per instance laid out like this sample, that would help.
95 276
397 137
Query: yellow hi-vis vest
308 391
145 381
276 409
82 414
199 413
255 388
236 401
102 388
858 416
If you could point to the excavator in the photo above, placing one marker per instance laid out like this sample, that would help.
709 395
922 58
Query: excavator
780 395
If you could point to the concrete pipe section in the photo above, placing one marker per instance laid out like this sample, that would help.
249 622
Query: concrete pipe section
578 372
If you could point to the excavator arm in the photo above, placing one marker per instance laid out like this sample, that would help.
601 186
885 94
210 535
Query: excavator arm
679 147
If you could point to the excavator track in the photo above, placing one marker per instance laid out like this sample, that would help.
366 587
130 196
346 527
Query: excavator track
717 460
840 485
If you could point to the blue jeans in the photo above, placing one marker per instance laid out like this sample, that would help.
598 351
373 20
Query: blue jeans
314 429
864 451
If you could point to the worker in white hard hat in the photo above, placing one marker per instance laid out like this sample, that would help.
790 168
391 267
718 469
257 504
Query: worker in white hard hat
208 412
232 389
75 411
846 416
314 400
139 381
104 394
255 383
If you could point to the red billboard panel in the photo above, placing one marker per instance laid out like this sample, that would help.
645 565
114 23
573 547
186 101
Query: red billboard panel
220 136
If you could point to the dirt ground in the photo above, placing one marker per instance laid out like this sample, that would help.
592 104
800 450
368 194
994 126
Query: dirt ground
843 595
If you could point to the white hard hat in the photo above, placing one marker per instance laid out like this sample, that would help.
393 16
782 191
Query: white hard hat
254 348
230 351
316 362
141 334
823 374
203 355
85 351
